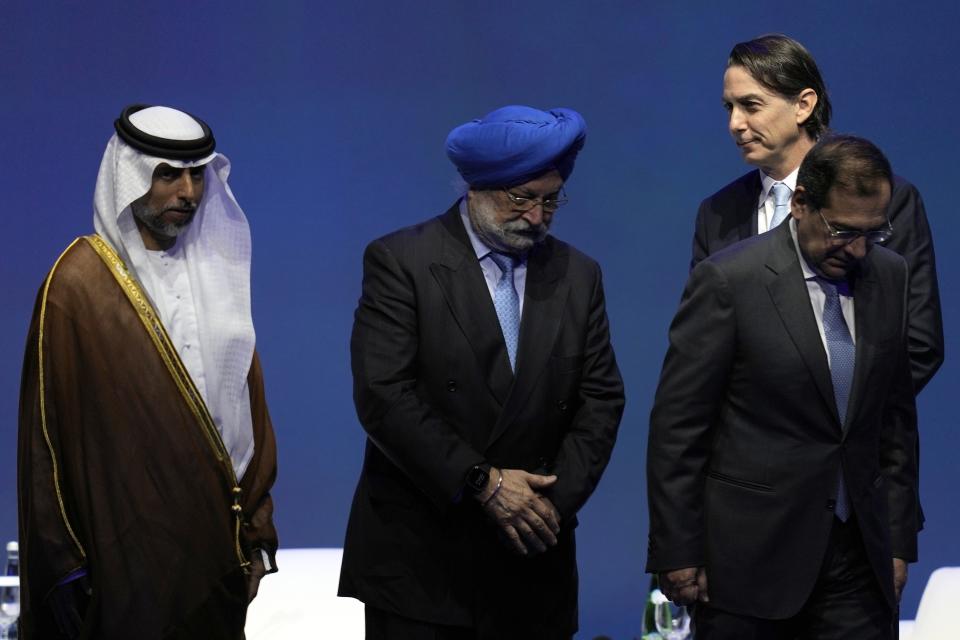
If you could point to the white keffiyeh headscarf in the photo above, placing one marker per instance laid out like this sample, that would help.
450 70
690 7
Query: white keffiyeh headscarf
216 248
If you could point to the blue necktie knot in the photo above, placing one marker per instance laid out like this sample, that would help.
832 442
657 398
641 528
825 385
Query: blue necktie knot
781 203
505 261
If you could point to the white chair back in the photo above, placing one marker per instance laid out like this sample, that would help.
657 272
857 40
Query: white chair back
939 607
300 601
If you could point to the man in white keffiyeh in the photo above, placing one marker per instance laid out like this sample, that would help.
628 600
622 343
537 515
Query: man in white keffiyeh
194 261
143 422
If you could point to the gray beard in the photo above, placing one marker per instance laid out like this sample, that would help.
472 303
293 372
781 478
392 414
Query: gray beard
515 236
151 218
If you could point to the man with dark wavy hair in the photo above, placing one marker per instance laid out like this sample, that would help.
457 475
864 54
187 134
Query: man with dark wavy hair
778 107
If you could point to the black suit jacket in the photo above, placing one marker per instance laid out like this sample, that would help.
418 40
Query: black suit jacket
745 441
730 215
434 390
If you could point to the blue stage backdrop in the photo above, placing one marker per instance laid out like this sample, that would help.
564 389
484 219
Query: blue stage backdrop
334 114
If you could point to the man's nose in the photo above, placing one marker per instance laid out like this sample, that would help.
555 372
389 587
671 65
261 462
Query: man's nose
534 215
186 189
736 122
856 249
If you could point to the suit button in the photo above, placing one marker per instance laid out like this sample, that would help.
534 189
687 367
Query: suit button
451 385
562 405
831 504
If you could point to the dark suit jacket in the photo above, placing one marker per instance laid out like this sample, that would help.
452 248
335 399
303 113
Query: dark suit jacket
745 441
729 216
434 390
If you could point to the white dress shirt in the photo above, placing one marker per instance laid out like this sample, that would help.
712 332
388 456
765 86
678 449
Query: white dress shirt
180 320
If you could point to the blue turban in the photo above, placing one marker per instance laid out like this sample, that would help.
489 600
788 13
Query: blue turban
516 144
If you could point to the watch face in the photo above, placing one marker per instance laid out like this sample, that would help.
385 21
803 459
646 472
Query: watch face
477 479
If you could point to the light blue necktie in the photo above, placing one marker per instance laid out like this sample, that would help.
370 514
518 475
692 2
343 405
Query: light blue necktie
507 303
781 204
842 358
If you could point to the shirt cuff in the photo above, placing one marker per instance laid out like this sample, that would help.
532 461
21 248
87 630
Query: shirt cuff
268 562
76 574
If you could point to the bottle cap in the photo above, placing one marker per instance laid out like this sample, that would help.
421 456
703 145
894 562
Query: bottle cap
13 546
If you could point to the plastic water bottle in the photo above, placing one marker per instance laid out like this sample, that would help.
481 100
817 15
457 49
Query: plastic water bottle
10 595
13 559
648 627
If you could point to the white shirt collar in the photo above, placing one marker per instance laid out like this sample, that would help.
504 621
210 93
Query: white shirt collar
767 182
808 273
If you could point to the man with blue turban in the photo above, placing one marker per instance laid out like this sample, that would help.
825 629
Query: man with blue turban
487 385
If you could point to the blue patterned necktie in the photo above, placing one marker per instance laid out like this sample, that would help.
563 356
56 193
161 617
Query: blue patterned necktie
781 204
507 303
842 358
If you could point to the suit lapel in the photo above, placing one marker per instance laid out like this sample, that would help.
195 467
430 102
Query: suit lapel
459 276
866 305
543 303
748 199
788 290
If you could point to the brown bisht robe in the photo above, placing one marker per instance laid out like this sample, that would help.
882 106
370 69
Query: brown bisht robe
118 475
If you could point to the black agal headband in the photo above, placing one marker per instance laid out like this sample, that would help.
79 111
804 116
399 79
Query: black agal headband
162 147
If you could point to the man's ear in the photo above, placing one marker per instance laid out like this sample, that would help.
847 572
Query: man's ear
799 203
806 102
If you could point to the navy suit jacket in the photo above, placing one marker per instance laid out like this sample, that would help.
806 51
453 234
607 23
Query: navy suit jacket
436 395
746 443
730 215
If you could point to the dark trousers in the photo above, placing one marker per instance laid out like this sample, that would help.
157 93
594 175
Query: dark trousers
382 625
846 602
513 598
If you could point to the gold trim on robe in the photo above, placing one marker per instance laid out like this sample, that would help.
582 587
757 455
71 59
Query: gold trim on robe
168 353
43 405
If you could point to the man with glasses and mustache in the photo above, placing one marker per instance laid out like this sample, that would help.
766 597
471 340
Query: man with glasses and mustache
487 385
781 464
146 452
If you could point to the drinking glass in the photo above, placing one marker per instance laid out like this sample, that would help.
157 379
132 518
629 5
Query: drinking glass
672 620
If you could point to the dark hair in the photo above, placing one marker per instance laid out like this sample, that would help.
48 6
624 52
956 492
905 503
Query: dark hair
844 161
783 65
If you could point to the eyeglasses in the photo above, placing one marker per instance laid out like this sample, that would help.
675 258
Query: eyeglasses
846 236
525 204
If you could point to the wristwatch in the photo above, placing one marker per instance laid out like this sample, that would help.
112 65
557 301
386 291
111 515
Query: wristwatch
477 478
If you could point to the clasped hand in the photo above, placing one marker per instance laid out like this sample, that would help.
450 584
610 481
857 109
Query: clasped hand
528 521
685 586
